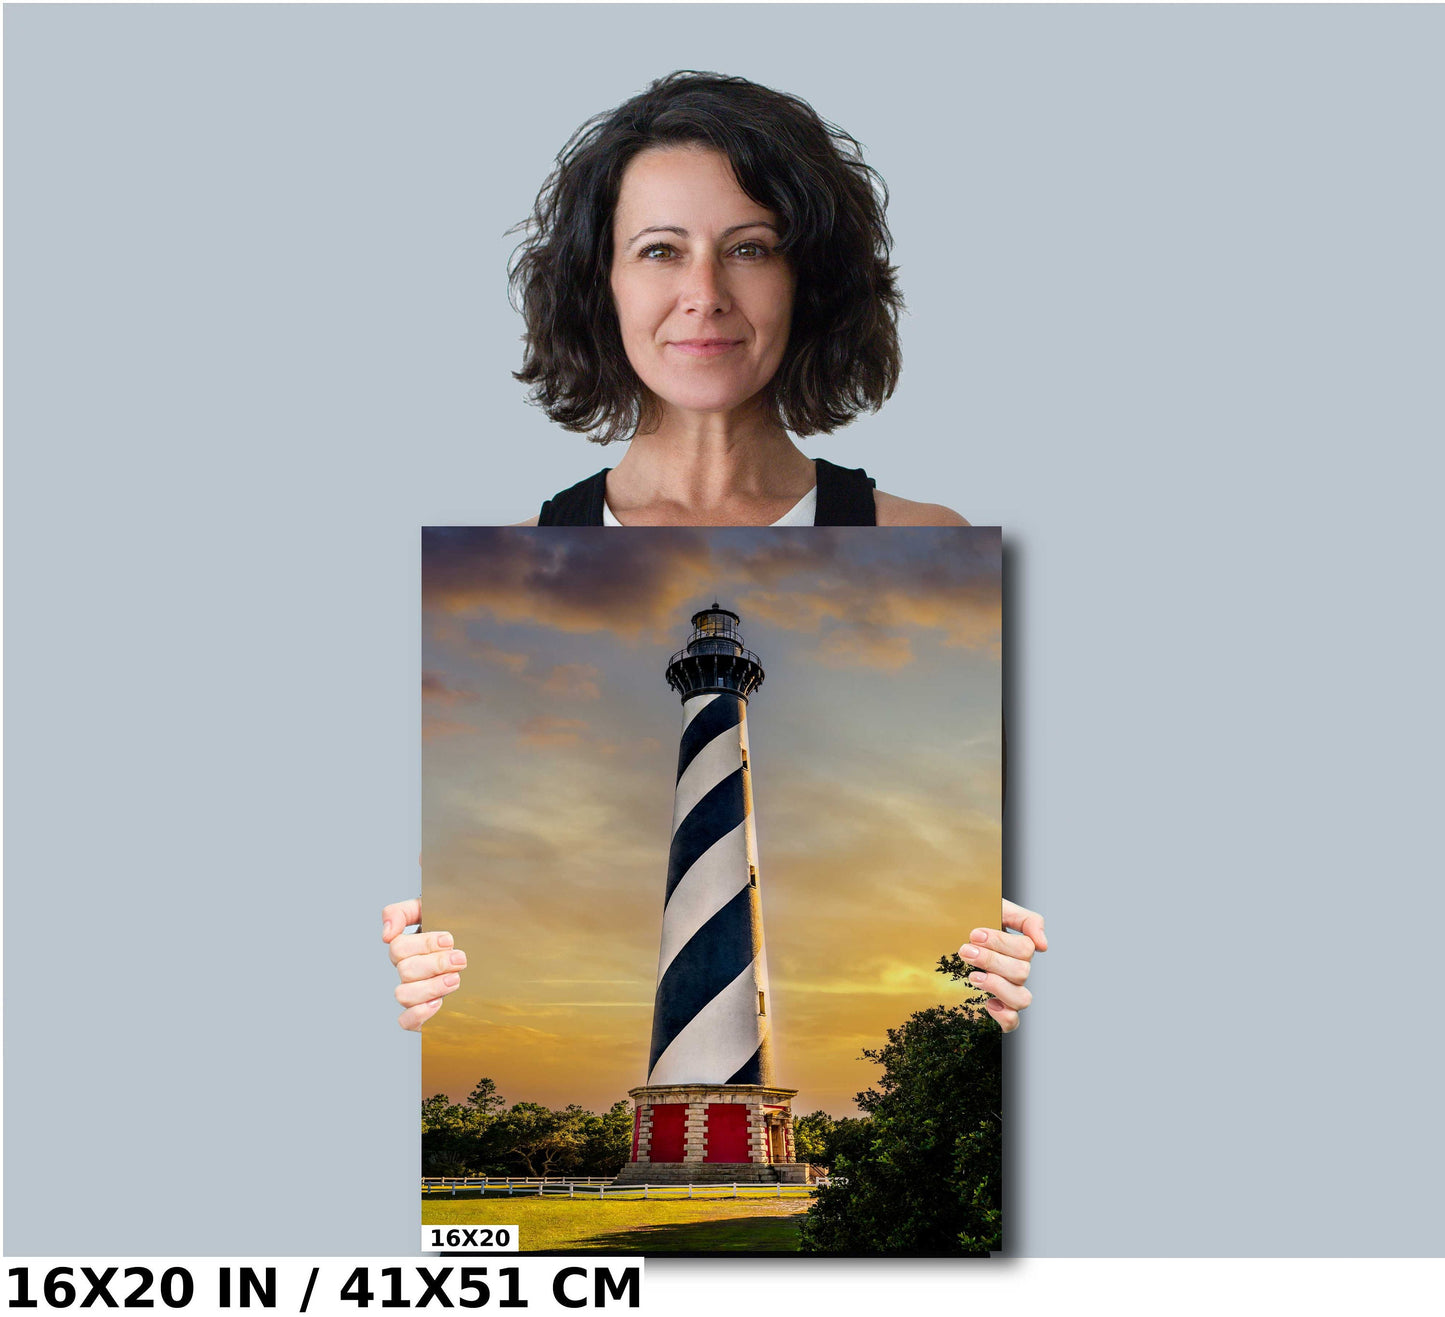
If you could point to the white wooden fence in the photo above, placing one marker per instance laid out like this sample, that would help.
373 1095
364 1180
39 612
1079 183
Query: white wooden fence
566 1187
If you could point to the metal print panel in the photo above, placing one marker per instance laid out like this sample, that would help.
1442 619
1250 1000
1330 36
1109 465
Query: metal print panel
709 810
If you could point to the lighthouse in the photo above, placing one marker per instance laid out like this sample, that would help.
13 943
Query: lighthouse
711 1109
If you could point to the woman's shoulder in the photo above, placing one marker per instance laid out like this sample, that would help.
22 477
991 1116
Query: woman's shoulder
895 511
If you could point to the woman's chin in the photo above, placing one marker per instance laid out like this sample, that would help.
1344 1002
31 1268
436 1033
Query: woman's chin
710 401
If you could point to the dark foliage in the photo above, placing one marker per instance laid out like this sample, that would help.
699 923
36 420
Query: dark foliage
484 1137
923 1169
810 1137
956 967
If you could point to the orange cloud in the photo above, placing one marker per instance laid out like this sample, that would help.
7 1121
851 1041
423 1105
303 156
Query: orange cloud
794 611
575 680
546 730
431 728
490 652
434 687
937 579
559 580
856 614
864 647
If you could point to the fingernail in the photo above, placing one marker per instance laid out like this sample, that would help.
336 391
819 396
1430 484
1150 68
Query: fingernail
978 979
444 940
978 935
435 1001
969 952
459 958
452 980
385 927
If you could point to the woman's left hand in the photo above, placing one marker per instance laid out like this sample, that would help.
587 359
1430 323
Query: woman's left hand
1003 960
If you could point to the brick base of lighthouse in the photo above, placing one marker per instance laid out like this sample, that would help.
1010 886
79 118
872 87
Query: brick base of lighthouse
712 1134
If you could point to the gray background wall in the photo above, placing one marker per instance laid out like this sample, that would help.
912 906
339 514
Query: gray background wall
1175 280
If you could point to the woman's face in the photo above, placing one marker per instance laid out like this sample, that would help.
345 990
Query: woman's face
703 296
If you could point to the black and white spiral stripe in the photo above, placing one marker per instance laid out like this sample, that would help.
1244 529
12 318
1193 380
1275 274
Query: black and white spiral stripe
706 1024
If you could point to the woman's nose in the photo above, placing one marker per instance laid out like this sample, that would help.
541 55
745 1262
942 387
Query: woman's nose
705 289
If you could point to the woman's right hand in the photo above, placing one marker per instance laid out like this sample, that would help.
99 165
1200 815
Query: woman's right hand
428 963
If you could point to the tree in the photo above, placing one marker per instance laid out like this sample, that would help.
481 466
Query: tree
482 1137
445 1138
850 1137
923 1170
460 1138
434 1113
606 1145
485 1099
956 967
819 1139
810 1137
544 1142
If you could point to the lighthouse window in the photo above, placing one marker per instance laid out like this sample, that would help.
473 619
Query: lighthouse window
762 1008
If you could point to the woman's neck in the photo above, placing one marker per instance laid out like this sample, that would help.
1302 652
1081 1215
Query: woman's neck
709 469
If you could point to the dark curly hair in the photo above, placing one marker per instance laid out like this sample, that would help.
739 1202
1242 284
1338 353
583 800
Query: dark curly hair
842 355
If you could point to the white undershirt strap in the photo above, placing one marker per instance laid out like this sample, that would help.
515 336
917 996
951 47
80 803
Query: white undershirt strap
801 513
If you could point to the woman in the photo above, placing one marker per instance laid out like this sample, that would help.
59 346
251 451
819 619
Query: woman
705 271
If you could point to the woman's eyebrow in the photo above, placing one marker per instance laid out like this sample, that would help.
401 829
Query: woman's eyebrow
683 233
752 224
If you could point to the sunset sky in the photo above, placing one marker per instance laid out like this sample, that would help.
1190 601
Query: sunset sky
550 754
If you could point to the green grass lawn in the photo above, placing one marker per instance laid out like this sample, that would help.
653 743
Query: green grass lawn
634 1225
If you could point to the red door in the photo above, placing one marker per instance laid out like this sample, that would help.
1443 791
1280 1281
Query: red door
727 1132
668 1123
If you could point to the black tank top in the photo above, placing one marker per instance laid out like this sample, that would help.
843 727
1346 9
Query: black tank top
845 498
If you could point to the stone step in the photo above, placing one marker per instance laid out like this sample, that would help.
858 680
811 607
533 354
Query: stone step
696 1173
713 1173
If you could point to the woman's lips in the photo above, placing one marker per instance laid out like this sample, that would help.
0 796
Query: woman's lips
705 347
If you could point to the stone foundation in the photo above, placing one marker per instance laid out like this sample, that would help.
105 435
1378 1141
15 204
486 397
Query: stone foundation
675 1145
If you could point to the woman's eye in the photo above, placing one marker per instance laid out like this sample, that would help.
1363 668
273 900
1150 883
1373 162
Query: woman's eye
657 249
751 250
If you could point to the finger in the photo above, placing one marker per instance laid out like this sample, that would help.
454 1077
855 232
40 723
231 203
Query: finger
1013 995
1007 1017
1011 944
1008 967
413 994
416 1016
418 944
416 968
396 917
1028 922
